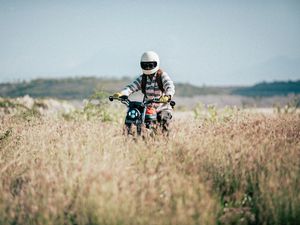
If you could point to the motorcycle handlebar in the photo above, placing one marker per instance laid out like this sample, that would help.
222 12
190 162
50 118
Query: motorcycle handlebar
111 98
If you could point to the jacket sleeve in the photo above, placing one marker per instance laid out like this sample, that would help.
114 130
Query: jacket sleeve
133 87
168 84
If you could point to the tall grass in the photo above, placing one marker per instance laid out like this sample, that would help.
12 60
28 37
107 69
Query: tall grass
242 170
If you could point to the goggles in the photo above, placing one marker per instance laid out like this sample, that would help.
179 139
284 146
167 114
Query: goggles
148 65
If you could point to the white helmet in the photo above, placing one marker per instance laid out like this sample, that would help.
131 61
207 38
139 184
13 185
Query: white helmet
149 62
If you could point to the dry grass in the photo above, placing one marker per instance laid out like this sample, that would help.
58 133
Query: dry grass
244 170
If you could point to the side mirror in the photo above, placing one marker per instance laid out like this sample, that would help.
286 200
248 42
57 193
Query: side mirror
172 103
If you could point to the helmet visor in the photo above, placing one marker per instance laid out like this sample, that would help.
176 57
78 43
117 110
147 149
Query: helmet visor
148 65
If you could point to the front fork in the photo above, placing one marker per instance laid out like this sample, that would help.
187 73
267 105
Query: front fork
129 128
140 126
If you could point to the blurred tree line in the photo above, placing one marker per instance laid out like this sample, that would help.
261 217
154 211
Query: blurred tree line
270 89
79 88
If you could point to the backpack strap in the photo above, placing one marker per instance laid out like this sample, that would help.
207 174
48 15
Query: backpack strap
158 81
143 83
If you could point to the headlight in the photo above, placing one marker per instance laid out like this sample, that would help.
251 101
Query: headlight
133 113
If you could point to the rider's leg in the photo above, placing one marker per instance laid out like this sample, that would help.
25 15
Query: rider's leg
164 118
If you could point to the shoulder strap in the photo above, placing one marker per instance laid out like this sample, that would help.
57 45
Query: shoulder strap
158 80
143 83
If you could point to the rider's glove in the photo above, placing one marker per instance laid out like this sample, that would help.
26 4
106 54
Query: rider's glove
165 98
117 95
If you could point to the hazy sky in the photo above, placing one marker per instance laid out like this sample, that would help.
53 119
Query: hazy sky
201 42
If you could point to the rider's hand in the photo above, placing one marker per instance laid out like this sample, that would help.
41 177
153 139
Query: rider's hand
165 98
117 95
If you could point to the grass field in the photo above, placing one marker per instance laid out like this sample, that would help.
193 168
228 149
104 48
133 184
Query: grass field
233 167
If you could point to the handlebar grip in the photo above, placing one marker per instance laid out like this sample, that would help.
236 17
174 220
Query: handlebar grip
124 97
111 98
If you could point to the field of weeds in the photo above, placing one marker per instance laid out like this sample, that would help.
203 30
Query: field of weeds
228 167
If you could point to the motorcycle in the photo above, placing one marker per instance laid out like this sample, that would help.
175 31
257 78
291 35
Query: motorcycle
140 115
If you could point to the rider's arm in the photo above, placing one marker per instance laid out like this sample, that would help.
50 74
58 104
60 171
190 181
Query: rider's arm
133 87
168 84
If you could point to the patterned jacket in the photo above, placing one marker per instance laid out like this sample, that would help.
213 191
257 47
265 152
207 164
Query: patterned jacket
152 89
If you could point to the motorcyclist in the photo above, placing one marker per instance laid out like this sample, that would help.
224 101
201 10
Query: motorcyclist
154 83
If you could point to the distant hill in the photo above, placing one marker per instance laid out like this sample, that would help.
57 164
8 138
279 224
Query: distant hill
189 90
68 88
79 88
270 89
